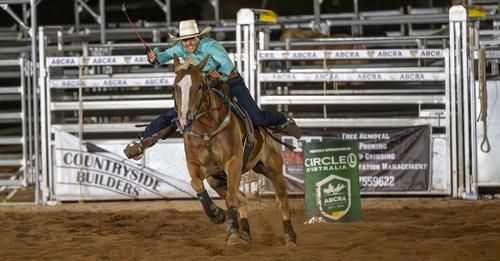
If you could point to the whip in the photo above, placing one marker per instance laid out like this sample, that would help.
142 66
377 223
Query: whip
124 9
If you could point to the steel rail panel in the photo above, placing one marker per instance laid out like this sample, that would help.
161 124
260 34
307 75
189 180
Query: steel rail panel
11 116
11 140
99 127
366 122
6 90
353 99
12 183
111 82
113 105
16 62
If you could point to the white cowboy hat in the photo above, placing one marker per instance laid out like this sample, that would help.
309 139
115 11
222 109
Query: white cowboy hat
189 29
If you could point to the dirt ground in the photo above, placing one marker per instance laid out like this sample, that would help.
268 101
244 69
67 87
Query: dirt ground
390 229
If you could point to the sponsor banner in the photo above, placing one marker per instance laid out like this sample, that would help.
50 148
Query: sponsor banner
96 60
292 163
112 82
360 77
391 159
103 60
352 54
89 172
331 181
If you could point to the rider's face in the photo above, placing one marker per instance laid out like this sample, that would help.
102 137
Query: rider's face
191 44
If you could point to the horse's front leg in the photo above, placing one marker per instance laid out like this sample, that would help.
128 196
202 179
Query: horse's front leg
215 213
233 171
234 242
220 186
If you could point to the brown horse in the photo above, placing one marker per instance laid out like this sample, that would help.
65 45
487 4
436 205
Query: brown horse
214 146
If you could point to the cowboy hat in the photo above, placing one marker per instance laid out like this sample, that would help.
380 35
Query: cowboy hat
189 29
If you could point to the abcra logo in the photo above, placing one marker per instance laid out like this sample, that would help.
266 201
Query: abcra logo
333 196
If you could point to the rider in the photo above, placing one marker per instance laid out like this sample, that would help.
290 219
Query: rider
192 43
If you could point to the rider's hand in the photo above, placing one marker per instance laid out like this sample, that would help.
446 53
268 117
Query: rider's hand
214 74
151 57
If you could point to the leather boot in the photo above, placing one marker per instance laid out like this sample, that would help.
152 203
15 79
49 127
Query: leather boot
135 149
291 128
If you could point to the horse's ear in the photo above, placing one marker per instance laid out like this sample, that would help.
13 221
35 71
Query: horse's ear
176 60
202 63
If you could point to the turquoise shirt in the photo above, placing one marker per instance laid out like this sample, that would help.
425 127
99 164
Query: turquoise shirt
218 58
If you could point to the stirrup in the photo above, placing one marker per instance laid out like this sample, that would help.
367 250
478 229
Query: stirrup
290 128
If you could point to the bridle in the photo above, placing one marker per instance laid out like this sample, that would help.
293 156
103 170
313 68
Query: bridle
198 113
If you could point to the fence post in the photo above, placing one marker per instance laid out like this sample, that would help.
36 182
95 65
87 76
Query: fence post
464 178
246 48
42 140
245 20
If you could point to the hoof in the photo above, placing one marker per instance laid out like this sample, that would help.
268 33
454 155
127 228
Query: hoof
290 244
220 218
290 240
235 245
246 237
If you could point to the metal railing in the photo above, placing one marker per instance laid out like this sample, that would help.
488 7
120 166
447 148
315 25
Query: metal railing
16 145
443 83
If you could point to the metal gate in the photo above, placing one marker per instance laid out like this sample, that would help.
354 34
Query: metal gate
16 145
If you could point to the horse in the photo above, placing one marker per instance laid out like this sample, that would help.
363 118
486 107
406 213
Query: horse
214 146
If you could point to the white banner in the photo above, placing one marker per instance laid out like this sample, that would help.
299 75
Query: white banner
97 60
351 54
72 61
93 173
347 77
113 82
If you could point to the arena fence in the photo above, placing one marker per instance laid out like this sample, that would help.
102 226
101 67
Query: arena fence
459 75
281 80
430 104
17 149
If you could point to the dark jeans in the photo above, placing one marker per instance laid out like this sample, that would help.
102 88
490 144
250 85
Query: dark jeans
237 89
158 124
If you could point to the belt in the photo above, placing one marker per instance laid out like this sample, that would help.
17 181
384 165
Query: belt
233 74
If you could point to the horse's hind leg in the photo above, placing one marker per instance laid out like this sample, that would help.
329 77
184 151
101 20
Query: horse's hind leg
274 172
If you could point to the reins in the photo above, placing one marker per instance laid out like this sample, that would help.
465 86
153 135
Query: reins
222 125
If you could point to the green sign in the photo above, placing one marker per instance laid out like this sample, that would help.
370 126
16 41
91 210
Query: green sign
331 174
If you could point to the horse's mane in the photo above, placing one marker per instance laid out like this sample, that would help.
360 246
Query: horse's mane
185 65
211 83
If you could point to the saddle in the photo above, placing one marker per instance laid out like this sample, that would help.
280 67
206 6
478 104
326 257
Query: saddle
242 114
